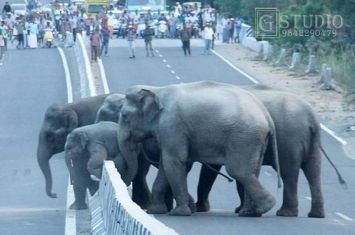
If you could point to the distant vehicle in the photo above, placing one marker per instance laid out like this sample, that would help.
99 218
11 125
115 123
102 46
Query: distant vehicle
19 8
80 4
190 6
116 24
47 7
144 6
94 7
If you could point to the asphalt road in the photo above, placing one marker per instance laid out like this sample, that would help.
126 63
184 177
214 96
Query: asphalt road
169 66
30 81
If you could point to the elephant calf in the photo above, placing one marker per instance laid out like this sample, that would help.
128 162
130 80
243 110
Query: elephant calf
85 150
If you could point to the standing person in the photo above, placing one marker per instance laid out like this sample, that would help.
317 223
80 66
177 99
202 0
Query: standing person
172 24
88 25
20 34
231 30
95 44
105 39
67 27
148 38
185 36
208 36
32 42
225 27
238 27
2 44
4 30
130 41
110 23
74 25
7 9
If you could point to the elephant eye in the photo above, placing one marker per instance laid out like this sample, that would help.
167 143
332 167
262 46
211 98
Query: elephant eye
124 117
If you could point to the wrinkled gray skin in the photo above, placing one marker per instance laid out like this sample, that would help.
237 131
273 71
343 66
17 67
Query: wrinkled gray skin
298 136
85 150
110 111
195 122
59 121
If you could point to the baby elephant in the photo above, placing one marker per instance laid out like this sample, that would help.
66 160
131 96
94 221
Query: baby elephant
85 150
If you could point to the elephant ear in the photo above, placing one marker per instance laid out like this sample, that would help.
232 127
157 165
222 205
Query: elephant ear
72 119
151 104
83 138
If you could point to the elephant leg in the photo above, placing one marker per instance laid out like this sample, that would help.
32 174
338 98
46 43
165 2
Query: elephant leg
205 183
240 189
289 176
140 190
80 184
238 165
312 171
93 186
175 170
160 191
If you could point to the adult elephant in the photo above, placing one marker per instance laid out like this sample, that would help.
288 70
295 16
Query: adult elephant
299 145
196 122
110 111
59 121
85 150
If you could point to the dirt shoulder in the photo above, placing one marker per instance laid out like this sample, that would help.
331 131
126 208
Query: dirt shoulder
331 105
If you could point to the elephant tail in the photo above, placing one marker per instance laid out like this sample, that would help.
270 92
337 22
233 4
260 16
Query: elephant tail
273 142
340 178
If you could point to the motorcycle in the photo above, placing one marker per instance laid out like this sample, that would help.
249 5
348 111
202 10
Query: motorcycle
48 38
162 29
141 28
122 31
195 30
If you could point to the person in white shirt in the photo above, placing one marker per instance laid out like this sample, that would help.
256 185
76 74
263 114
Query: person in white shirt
110 23
208 36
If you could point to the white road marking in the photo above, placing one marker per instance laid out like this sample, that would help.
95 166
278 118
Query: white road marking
168 66
70 218
103 76
160 55
330 132
172 71
177 77
164 60
343 216
156 51
309 198
67 75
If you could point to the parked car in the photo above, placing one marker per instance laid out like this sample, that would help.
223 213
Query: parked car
47 7
19 8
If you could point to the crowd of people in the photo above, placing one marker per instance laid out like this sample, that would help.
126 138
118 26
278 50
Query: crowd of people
200 22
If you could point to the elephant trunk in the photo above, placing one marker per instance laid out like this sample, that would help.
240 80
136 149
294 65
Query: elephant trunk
43 156
69 166
130 152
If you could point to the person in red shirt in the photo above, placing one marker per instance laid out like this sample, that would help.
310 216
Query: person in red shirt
95 40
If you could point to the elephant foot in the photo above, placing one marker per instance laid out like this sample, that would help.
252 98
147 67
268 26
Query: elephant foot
180 211
192 205
157 209
288 212
317 213
78 206
258 208
237 210
249 213
202 206
142 204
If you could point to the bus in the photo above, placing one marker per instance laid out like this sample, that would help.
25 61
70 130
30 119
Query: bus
145 5
94 7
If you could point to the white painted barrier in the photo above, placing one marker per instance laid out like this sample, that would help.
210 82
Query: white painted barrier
87 87
113 211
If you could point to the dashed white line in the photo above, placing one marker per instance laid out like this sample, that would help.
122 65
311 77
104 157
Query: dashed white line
156 51
177 77
168 66
309 198
172 71
160 55
343 216
164 60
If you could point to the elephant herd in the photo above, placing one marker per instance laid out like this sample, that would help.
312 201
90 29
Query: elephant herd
216 124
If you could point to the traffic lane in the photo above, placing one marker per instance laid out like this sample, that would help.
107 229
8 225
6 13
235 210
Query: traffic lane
122 72
200 67
31 80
